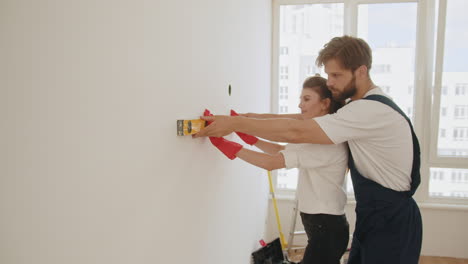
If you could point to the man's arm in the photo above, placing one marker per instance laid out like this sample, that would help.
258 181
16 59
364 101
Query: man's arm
279 130
268 116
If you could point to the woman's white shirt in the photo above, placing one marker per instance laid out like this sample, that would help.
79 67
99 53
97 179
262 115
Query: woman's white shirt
322 169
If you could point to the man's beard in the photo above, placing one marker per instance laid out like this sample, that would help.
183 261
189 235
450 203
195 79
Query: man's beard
348 91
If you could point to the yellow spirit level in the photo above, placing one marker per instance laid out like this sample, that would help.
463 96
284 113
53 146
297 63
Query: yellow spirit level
189 127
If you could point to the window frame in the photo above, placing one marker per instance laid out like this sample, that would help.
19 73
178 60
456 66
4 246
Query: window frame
457 162
430 38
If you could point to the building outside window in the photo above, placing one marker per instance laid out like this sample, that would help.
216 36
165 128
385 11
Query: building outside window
442 133
284 51
461 112
460 88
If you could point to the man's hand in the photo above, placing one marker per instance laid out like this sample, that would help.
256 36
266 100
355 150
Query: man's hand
249 139
220 126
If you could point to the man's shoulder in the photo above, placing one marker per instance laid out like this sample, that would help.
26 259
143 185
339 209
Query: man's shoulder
361 114
363 108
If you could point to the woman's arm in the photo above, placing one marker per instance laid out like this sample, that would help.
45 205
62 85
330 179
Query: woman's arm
262 160
268 147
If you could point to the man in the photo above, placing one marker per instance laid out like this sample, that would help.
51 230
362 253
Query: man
384 153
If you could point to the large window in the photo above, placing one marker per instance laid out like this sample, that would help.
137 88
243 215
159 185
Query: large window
449 150
393 48
303 29
420 50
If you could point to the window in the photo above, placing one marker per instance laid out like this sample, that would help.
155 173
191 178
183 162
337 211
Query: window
461 112
393 46
284 72
451 71
294 24
284 51
310 70
450 96
442 133
409 111
385 88
381 68
454 186
283 93
460 134
444 90
427 40
302 30
443 111
460 88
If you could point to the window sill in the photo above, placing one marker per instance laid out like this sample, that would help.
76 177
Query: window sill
284 197
292 197
442 206
422 205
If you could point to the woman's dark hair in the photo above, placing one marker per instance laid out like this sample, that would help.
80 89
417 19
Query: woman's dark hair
319 85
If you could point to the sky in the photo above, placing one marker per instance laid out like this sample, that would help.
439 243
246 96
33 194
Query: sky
395 24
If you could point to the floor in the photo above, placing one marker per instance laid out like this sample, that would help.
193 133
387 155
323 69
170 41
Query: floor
441 260
297 256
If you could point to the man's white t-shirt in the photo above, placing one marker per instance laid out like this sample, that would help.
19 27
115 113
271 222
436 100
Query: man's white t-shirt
379 138
322 169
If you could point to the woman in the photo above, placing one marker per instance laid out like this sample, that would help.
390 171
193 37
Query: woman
322 170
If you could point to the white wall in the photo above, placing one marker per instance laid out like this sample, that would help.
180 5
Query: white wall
91 168
445 231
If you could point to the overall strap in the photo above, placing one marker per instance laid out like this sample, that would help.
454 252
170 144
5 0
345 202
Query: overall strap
415 173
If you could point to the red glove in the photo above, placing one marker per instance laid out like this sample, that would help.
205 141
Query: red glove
249 139
228 148
207 113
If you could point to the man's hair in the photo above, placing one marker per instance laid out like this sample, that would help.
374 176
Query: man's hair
319 85
351 52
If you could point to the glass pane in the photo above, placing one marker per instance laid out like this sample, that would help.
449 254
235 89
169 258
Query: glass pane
453 122
393 48
304 29
451 183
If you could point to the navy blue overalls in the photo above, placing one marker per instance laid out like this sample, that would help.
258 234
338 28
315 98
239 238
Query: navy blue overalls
388 223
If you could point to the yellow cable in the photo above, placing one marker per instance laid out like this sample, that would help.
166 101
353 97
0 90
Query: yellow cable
284 244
